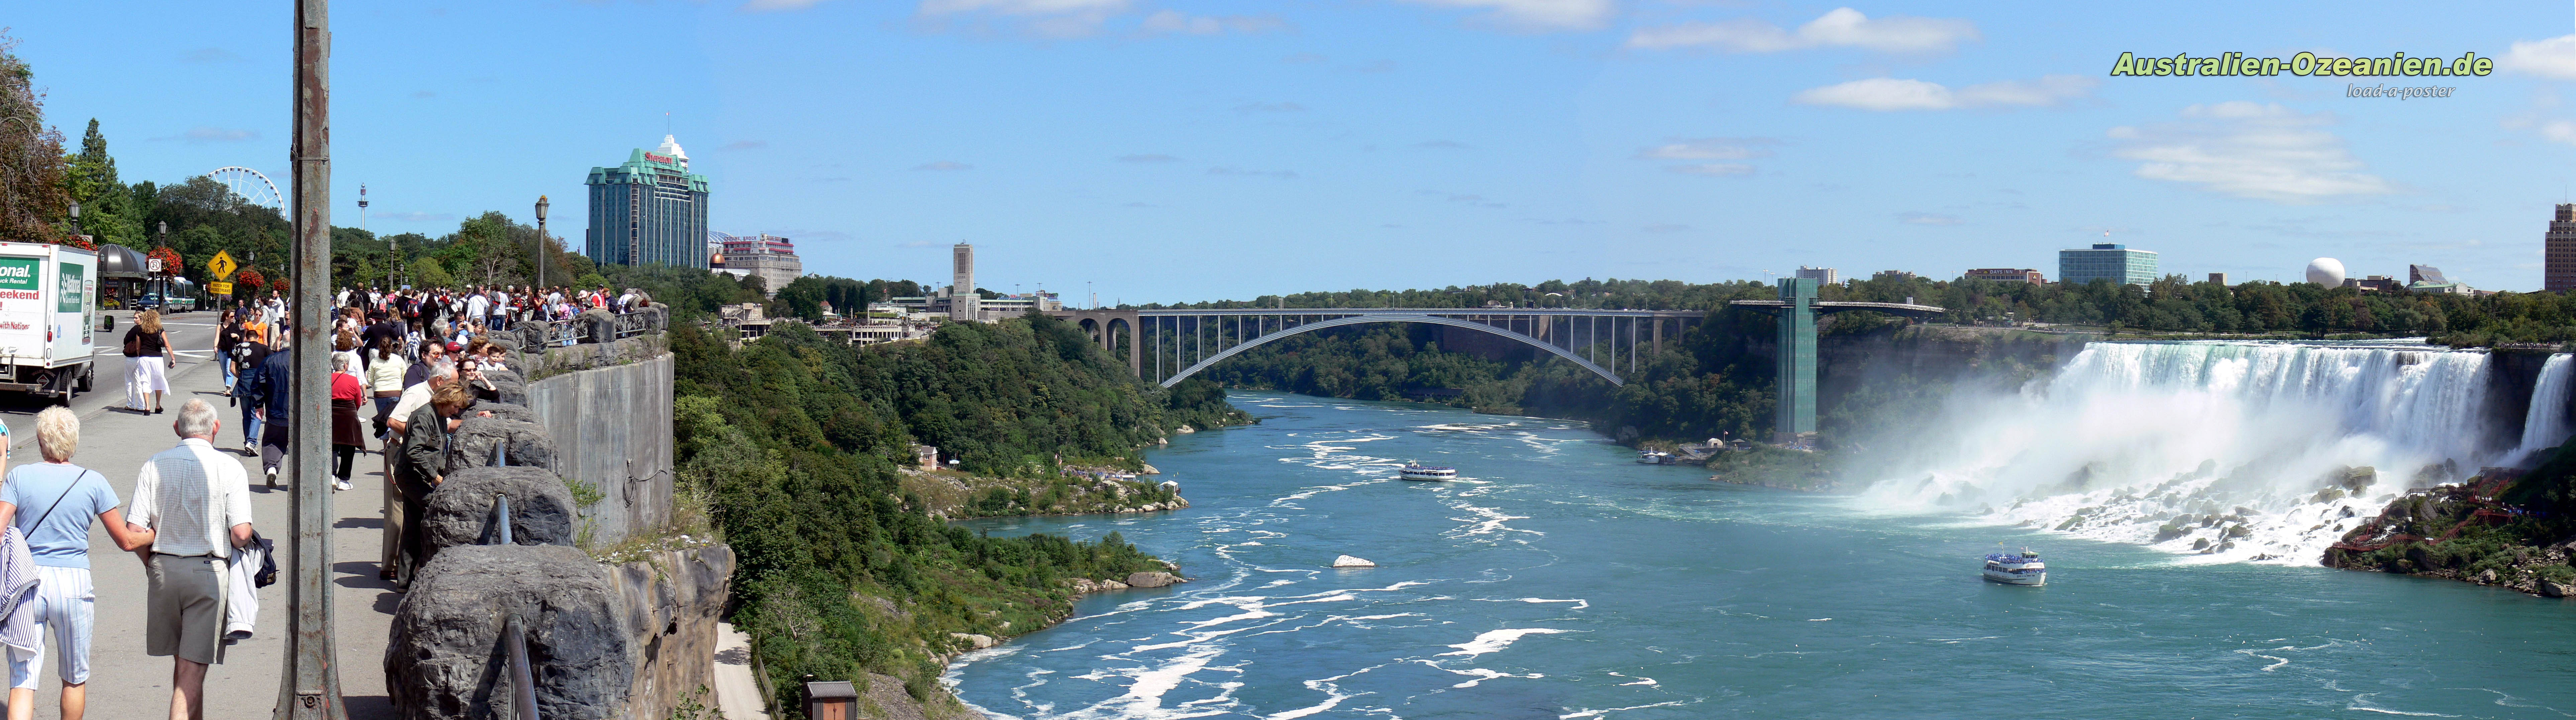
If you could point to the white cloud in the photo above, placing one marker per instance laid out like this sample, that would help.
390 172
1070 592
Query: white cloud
1709 149
1173 21
1712 169
2250 150
1044 18
1891 94
2554 58
1537 14
2559 131
1842 27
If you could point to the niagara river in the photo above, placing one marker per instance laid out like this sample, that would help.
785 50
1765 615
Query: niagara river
1558 578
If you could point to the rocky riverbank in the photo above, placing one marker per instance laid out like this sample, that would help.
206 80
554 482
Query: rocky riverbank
958 496
2460 532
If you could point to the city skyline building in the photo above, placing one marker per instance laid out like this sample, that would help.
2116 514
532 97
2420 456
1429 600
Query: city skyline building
1822 275
2558 267
963 301
772 258
2106 261
649 210
2019 275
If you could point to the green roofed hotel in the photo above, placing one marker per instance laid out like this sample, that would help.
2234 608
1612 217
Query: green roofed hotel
649 211
2116 263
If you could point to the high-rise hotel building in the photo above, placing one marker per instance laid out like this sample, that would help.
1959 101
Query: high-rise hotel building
2558 270
649 211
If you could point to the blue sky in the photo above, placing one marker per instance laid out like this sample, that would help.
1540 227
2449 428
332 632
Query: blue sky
1169 150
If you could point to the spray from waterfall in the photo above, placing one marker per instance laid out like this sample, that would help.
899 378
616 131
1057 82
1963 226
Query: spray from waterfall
2230 451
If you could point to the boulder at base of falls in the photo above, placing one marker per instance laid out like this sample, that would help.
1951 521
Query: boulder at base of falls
979 642
1153 579
1347 561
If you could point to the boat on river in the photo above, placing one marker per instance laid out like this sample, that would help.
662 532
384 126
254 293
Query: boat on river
1419 471
2021 568
1656 457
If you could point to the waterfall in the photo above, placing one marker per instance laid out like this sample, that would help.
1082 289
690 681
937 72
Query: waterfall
2546 425
2233 451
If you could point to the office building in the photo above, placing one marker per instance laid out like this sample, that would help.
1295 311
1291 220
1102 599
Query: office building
2106 261
2374 283
2019 275
1892 275
2426 278
770 257
1822 276
2221 279
648 211
2558 273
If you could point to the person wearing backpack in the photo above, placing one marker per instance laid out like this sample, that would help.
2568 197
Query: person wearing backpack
52 504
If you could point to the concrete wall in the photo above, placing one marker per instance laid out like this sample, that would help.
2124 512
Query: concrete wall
612 428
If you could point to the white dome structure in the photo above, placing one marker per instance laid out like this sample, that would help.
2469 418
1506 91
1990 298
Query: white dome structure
2326 271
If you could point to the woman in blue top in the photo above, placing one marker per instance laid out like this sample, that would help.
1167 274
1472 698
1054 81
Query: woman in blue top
52 503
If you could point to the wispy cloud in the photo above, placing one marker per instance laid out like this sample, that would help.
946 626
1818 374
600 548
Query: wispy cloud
943 166
1715 148
1536 15
1477 201
1713 169
2250 150
1891 94
1242 172
212 134
1042 18
1842 27
1176 22
2554 58
1925 218
778 5
1148 158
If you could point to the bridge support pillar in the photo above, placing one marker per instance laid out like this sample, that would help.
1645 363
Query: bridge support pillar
1795 422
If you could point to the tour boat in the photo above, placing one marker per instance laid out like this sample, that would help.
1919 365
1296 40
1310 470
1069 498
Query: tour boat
1418 471
1656 457
2022 568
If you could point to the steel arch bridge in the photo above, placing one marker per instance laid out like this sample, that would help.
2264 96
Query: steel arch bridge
1168 346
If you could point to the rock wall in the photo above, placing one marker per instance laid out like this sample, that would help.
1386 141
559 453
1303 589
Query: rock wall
604 641
613 425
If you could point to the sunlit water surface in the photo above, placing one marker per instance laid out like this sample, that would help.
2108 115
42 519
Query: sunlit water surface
1559 579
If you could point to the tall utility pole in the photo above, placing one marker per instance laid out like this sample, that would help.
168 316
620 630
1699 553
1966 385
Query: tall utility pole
310 687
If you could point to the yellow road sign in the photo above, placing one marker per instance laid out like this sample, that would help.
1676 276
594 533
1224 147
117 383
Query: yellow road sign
221 267
220 288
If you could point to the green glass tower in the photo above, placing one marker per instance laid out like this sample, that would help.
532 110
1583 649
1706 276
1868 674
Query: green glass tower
648 211
1795 421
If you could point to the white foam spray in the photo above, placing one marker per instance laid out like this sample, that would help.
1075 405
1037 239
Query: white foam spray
2226 450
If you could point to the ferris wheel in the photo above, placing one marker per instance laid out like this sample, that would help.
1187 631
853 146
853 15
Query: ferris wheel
251 186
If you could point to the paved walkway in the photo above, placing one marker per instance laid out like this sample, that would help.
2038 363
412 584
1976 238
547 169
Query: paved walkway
737 690
124 682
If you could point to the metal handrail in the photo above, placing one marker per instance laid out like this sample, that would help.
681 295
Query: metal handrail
501 517
523 683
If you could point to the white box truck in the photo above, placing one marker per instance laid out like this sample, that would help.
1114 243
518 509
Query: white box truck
48 319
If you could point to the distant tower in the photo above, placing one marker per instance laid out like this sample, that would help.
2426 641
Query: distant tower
963 302
648 211
1795 419
2558 273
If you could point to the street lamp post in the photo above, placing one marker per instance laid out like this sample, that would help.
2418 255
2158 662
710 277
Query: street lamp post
309 689
76 228
542 241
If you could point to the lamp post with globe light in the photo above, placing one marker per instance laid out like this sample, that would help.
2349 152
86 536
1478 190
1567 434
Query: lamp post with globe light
542 241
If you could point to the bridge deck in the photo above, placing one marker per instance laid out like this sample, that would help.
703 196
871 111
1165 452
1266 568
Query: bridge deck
1905 309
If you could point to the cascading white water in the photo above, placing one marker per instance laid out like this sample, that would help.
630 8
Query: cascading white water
2231 450
2546 425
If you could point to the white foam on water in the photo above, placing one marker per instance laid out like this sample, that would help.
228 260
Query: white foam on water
1638 680
1605 711
1493 641
1333 695
2358 703
2130 437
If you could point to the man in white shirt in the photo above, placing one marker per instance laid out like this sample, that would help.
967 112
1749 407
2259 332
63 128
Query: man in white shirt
196 502
477 305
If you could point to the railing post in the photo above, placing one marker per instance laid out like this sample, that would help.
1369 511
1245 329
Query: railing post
501 518
523 682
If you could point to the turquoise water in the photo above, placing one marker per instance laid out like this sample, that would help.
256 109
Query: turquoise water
1559 579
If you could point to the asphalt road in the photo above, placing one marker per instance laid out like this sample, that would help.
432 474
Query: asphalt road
126 683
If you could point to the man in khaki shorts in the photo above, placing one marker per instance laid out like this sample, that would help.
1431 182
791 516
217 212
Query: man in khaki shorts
196 502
